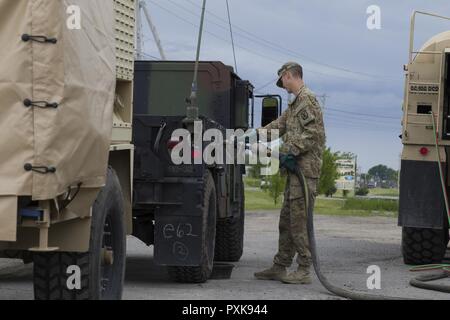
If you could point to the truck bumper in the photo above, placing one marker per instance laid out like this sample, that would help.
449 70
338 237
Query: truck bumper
178 219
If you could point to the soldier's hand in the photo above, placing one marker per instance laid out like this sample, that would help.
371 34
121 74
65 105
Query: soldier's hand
288 161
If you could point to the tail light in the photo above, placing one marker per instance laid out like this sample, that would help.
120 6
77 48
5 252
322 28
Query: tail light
172 143
424 151
196 153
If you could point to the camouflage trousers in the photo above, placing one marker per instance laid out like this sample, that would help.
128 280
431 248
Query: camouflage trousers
293 224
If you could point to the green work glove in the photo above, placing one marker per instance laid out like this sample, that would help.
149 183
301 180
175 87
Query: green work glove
288 161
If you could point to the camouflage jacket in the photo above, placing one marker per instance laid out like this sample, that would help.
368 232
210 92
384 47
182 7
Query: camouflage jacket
302 129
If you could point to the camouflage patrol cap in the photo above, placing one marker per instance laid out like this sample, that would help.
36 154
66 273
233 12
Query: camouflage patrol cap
284 68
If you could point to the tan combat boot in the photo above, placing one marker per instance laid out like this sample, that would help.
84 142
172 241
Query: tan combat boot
301 276
276 272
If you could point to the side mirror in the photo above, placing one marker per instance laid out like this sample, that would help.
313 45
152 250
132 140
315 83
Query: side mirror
270 110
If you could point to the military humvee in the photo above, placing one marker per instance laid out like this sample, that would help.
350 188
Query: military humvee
193 214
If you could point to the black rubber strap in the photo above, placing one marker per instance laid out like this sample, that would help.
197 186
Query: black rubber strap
42 39
40 104
43 170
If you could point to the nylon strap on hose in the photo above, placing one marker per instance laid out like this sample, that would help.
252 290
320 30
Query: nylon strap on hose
430 267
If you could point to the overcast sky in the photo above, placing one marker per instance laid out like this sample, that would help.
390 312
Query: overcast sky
360 71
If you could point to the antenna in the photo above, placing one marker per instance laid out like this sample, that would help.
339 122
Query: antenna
192 108
153 29
232 38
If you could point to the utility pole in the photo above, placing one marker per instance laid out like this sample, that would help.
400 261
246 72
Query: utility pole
139 39
143 6
323 99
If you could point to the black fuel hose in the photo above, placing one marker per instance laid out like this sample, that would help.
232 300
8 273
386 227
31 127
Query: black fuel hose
419 282
353 295
422 282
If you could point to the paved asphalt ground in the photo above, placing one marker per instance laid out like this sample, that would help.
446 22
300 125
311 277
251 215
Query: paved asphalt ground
347 245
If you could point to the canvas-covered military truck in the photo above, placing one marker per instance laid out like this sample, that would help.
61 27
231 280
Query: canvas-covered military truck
424 174
66 88
193 214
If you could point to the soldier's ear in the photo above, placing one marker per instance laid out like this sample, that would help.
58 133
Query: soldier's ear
288 75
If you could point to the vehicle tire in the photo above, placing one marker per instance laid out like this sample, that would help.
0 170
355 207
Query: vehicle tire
200 274
230 235
447 238
100 279
423 246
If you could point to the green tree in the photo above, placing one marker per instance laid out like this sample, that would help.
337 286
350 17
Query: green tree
255 171
364 179
383 173
327 182
276 186
395 176
362 191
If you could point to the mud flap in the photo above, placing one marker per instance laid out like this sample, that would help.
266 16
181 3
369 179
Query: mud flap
178 240
178 227
8 218
421 199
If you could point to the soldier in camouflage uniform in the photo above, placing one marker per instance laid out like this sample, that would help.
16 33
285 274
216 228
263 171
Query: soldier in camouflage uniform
302 129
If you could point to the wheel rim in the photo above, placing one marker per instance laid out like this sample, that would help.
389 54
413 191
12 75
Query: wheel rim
107 260
210 229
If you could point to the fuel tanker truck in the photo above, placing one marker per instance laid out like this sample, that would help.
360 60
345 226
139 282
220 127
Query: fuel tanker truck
66 88
424 175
